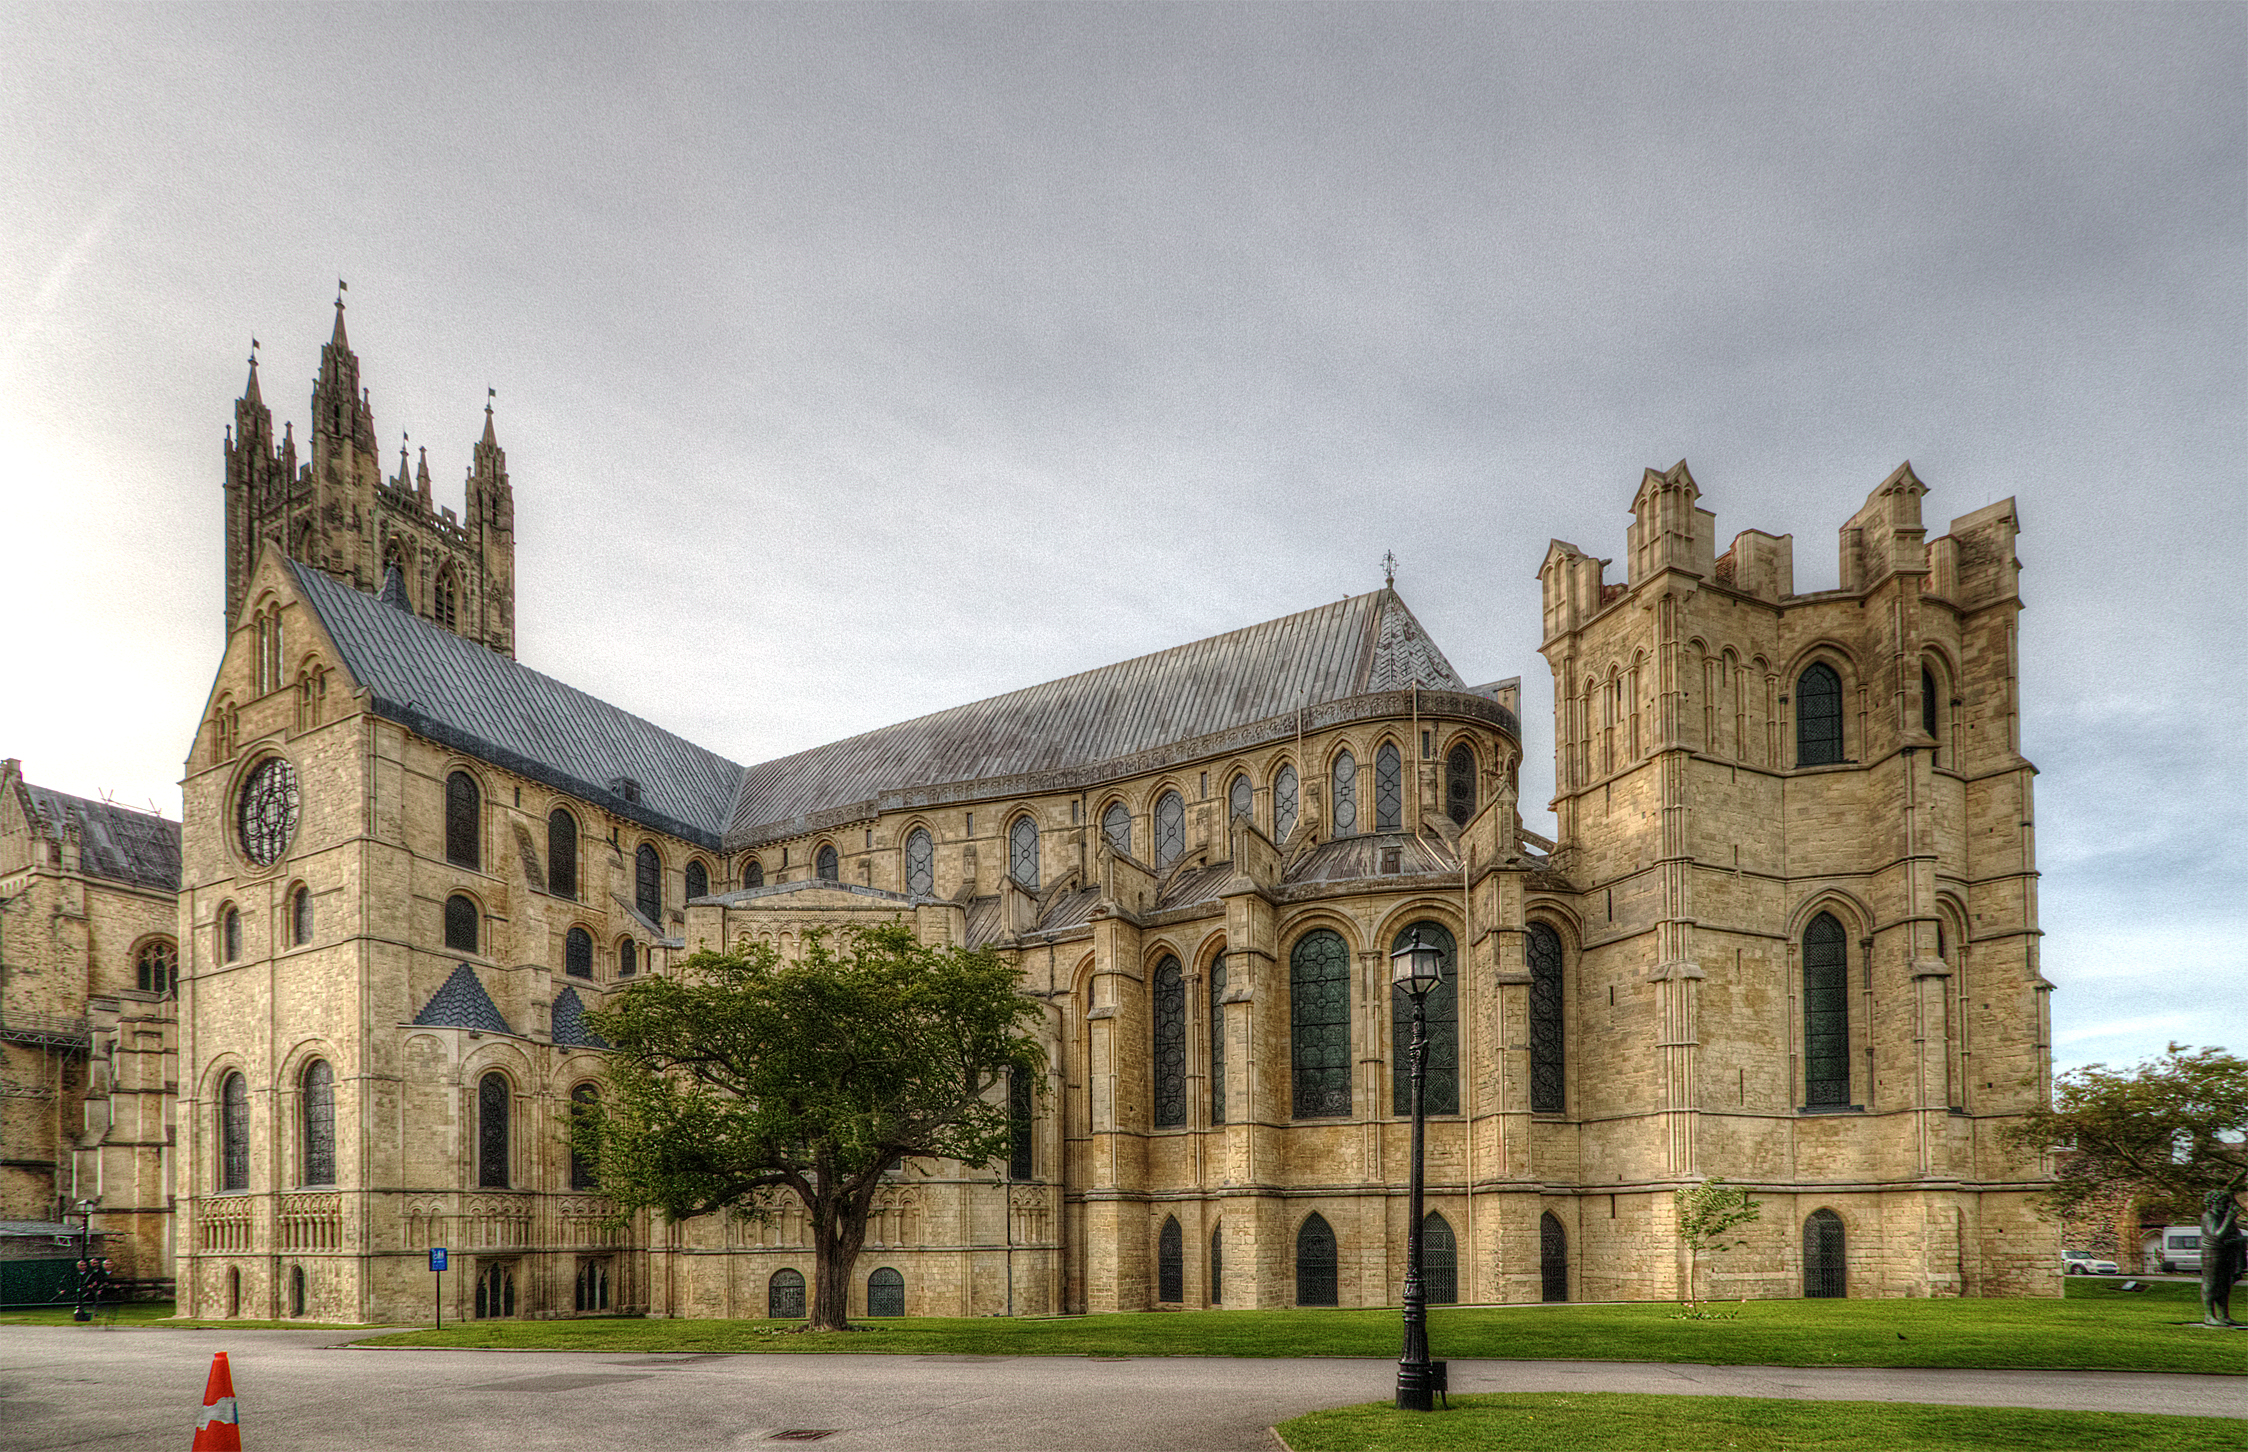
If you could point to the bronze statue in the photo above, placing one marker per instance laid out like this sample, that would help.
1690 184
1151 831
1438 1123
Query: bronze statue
2224 1255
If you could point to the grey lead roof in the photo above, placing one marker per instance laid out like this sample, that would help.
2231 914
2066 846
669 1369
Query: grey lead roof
568 1021
114 842
461 1002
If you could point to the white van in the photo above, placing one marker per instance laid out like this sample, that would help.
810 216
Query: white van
2178 1250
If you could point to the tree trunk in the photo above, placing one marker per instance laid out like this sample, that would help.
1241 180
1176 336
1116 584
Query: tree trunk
837 1234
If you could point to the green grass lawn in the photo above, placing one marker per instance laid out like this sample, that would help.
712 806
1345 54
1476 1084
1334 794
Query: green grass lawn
2095 1327
1582 1422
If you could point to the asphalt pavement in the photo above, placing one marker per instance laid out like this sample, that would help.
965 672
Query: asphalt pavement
127 1389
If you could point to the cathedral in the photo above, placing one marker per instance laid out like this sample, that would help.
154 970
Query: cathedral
1786 932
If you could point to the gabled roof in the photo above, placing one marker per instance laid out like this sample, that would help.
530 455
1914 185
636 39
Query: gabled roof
1357 646
461 1002
459 693
115 842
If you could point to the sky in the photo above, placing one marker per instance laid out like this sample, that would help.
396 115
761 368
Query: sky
857 361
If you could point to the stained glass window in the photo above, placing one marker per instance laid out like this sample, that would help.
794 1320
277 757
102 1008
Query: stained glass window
230 935
448 600
1319 1024
1241 798
1116 826
1443 1012
647 883
319 1108
1283 804
593 1284
234 1133
1170 829
698 880
628 958
156 967
1440 1261
1019 1124
1022 852
583 1176
495 1290
1818 717
753 873
827 866
1826 1013
1542 946
267 815
1389 789
463 821
1825 1269
460 923
562 854
920 863
1169 1014
1459 784
885 1293
784 1295
1553 1259
577 953
1170 1262
1315 1263
1217 1039
1345 778
492 1114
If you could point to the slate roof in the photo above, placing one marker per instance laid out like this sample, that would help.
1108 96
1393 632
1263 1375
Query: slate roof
1357 646
457 692
1349 858
569 1022
462 1003
114 842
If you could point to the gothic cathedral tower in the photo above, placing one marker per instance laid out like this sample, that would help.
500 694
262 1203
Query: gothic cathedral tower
339 513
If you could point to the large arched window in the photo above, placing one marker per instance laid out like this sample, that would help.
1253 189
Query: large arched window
1443 1014
583 1175
1389 789
1553 1259
1241 798
1826 1014
1170 1263
1818 717
1170 829
1315 1263
784 1295
1345 780
1459 783
698 879
1548 1094
577 953
495 1289
753 873
885 1293
1319 1024
920 863
1440 1261
319 1115
647 883
1169 1015
1825 1268
1217 1039
234 1133
461 923
1022 852
562 854
1283 803
464 813
493 1115
1116 828
156 967
826 866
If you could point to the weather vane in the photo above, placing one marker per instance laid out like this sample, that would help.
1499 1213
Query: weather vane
1389 569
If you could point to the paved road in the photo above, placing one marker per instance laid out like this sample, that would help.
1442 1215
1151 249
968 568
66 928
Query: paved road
70 1386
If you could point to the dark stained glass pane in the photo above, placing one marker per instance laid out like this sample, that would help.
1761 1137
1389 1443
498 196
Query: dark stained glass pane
1825 1270
1116 826
1553 1259
1818 717
1440 1261
1169 1014
1217 1266
698 881
1547 1092
491 1132
234 1133
157 967
1389 789
1170 829
230 935
577 953
267 813
1284 804
1459 784
1826 1014
784 1295
885 1293
300 916
1928 702
1319 1025
753 873
1170 1262
1442 1076
827 866
628 958
1217 1039
1315 1263
647 883
920 863
1346 794
1022 853
1019 1125
319 1123
463 821
582 1173
1241 797
460 923
562 854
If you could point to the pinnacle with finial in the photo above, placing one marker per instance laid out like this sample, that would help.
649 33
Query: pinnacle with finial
1389 569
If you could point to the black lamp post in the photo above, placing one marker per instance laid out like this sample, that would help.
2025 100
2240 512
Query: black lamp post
1417 968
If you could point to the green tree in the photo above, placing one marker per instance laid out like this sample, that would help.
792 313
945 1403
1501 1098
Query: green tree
2168 1131
747 1073
1708 1214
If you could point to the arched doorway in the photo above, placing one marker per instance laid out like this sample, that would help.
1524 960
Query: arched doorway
1315 1263
1440 1261
1824 1271
1553 1258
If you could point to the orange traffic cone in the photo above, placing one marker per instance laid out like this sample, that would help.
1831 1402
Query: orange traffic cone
219 1429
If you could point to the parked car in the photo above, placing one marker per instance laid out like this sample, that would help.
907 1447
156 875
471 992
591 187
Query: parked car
2180 1250
2077 1264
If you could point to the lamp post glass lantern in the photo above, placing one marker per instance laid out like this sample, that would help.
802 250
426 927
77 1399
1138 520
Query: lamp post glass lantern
1417 968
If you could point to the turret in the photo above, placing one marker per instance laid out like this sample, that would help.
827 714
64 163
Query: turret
491 524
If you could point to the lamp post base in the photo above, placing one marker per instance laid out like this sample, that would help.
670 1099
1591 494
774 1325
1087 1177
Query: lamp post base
1418 1382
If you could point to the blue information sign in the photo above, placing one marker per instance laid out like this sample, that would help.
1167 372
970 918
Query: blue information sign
437 1257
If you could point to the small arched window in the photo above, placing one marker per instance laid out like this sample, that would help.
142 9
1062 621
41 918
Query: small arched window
885 1293
1022 852
296 1290
1928 702
1170 829
920 863
1169 1014
156 967
1116 827
577 953
234 1133
230 934
1241 799
446 601
1345 779
1315 1263
1217 1264
1283 803
753 873
1825 1266
628 958
827 866
1389 789
234 1291
698 879
784 1295
647 883
461 923
1170 1263
1019 1125
1818 717
300 916
562 854
1553 1259
1441 1009
1826 1014
1217 1039
1459 783
1319 1025
1542 946
464 811
583 1100
1440 1261
493 1116
319 1113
